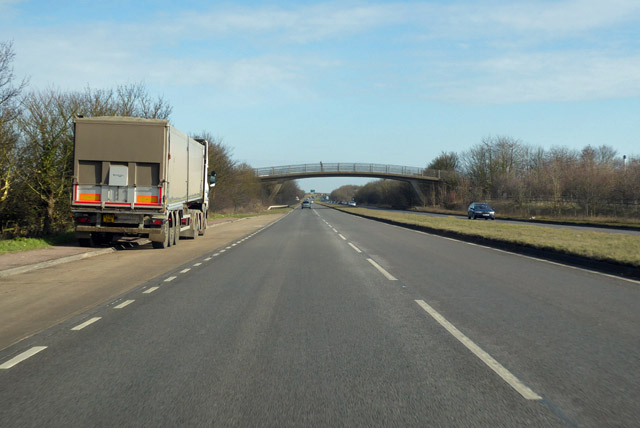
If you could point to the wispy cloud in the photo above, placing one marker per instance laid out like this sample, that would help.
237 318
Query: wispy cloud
561 17
302 24
542 77
8 9
497 52
311 23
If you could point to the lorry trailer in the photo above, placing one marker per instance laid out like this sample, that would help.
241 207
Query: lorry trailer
138 177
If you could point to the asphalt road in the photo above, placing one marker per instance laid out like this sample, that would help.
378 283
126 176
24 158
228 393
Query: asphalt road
325 319
499 220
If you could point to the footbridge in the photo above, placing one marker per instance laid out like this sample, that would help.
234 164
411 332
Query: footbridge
412 175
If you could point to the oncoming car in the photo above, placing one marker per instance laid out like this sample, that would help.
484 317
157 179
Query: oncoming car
352 203
306 204
481 210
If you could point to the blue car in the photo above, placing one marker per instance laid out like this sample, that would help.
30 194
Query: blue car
481 210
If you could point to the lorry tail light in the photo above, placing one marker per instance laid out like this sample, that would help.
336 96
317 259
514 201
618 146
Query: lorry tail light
157 222
82 219
183 221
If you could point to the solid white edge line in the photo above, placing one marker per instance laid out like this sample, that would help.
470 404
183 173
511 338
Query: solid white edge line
343 238
171 278
354 247
150 290
86 323
498 368
123 304
382 270
21 357
185 270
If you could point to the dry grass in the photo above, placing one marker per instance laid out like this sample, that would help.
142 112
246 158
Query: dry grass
597 245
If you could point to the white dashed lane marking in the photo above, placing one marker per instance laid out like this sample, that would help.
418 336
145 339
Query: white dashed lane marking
150 290
21 357
382 270
86 323
123 304
355 248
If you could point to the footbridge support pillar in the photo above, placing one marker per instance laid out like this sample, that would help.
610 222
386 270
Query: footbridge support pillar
274 191
416 188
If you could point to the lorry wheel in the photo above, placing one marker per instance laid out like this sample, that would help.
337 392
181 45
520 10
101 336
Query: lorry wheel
176 232
167 238
196 227
202 224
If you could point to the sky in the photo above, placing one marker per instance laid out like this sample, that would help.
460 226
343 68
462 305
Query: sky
386 82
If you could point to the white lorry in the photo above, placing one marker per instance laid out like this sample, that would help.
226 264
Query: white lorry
138 177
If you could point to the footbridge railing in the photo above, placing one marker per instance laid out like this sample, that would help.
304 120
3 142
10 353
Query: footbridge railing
365 169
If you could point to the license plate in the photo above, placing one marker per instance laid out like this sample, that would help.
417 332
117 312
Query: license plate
108 218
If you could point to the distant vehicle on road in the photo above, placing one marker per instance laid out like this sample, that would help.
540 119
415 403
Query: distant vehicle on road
352 203
305 204
481 210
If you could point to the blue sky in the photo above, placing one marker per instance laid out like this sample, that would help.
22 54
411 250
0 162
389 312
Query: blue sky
285 82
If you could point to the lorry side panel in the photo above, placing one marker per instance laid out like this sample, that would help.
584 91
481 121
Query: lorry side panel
178 169
197 162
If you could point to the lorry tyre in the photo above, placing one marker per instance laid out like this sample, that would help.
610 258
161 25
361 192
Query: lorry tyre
202 224
176 231
167 239
196 227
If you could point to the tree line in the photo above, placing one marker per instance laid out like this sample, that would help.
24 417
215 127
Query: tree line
524 180
36 151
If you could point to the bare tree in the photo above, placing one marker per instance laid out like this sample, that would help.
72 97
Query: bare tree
125 100
134 100
446 161
48 143
9 91
9 111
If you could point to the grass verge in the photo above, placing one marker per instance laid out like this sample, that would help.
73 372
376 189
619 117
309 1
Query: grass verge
600 246
23 244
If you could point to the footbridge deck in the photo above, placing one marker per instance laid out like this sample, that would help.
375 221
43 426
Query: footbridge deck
311 170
